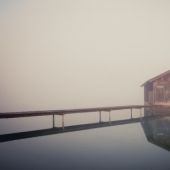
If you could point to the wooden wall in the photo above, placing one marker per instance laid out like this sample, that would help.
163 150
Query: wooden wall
161 91
148 93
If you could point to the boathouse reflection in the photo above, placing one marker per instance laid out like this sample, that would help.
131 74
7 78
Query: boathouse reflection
157 131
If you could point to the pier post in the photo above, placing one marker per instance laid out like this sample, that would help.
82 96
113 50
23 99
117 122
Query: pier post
63 121
100 116
141 113
109 117
53 122
131 113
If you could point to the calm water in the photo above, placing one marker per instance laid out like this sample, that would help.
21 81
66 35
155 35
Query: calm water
128 146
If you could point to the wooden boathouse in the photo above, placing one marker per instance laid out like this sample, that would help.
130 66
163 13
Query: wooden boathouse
157 90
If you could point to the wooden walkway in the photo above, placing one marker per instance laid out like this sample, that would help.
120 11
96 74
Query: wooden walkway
69 111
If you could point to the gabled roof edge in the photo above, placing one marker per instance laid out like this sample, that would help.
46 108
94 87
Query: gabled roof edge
155 78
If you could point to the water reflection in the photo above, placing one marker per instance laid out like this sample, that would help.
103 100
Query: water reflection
110 147
157 132
58 130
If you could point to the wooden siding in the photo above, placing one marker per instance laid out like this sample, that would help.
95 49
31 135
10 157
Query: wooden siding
162 91
150 97
158 91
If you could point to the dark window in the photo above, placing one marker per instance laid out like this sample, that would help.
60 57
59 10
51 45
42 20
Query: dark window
150 86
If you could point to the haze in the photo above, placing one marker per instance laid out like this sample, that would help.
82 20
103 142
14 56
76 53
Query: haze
78 54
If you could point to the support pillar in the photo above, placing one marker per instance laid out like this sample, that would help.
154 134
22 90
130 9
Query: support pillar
100 116
131 113
63 121
53 121
109 117
141 113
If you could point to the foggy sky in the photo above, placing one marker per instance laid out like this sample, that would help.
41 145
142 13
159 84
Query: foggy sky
61 54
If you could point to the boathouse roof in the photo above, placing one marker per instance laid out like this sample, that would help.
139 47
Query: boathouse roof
156 78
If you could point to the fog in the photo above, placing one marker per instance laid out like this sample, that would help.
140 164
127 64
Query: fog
62 54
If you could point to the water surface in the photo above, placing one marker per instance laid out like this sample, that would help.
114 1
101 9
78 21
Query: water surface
113 147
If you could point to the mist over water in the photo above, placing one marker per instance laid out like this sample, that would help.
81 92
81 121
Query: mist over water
80 54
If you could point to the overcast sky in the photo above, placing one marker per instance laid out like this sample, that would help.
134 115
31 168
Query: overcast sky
61 54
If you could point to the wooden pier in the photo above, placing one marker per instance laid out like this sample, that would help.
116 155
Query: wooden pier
71 111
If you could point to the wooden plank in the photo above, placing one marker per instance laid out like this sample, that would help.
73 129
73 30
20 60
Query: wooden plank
69 111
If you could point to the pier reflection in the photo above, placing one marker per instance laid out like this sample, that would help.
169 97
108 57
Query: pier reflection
58 130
